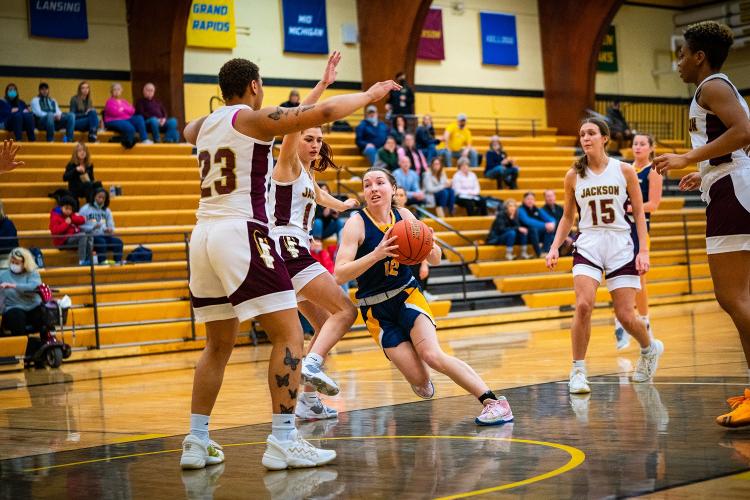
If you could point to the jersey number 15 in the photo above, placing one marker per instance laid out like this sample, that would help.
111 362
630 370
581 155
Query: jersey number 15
606 212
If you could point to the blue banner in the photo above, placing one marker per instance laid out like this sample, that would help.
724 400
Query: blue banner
305 26
58 19
499 40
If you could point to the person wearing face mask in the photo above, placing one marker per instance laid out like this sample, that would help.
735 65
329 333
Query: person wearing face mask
22 305
101 224
15 115
402 101
371 134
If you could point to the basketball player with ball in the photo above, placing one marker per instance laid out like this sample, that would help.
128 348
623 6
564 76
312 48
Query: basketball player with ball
378 244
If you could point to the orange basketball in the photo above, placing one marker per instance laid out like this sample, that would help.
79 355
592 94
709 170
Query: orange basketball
414 240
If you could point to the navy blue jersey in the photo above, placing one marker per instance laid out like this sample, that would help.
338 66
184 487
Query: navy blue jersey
387 274
644 184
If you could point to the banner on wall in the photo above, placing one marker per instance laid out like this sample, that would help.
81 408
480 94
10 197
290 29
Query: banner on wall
305 26
431 40
608 53
499 40
211 24
58 19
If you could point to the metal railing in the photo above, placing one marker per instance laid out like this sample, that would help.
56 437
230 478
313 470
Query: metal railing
662 120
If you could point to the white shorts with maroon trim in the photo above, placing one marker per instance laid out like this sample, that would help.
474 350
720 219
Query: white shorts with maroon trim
607 252
301 266
728 213
235 272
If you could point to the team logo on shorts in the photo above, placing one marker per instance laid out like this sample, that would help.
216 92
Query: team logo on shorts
264 249
291 246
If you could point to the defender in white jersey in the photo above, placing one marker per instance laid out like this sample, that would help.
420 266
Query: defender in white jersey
600 188
236 273
293 196
720 133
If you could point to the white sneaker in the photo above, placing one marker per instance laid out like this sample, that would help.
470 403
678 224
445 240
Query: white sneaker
314 410
425 392
647 363
200 484
578 384
297 483
313 374
293 454
622 337
147 141
196 454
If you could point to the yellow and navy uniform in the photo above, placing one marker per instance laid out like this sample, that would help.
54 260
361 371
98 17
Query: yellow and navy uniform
390 321
643 183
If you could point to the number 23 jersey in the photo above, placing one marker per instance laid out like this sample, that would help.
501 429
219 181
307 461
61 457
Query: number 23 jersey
602 198
235 169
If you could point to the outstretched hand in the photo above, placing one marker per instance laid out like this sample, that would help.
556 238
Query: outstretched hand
381 89
8 156
329 75
669 161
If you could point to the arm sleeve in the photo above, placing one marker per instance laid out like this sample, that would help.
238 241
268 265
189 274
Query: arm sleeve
36 108
139 108
110 220
34 281
57 107
70 172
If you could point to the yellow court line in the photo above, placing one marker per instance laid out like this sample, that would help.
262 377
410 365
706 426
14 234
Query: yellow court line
577 457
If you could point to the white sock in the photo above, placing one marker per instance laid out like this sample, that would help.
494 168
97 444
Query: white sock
580 363
282 426
199 426
315 358
647 349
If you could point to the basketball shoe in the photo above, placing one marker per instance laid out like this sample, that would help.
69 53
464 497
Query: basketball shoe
647 363
297 483
740 414
200 484
425 392
313 374
578 383
495 412
310 407
296 453
622 337
196 454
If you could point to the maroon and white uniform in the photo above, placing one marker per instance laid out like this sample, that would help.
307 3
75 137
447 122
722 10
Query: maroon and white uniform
725 181
604 244
235 271
291 206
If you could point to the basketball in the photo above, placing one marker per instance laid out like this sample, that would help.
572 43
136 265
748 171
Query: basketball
414 240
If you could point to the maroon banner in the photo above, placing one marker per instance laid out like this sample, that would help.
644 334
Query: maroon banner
431 41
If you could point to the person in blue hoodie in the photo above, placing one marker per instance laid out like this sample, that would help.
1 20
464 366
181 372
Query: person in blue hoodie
15 115
101 224
371 134
541 226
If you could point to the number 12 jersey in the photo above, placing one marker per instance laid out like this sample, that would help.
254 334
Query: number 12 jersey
602 199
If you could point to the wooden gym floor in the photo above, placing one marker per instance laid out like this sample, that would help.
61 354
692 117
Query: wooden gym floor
112 429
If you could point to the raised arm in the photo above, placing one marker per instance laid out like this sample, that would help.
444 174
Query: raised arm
347 268
327 200
567 220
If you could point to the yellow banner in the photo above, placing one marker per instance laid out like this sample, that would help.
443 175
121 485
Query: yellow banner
211 24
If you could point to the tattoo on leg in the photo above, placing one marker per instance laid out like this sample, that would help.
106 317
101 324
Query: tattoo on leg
286 409
282 381
293 393
291 360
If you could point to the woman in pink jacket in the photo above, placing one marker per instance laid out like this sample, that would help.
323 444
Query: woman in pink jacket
119 116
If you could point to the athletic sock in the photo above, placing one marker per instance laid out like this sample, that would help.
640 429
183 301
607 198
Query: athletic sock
282 426
199 426
647 350
315 358
644 318
580 363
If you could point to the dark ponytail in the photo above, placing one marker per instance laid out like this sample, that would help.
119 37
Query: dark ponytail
582 163
325 160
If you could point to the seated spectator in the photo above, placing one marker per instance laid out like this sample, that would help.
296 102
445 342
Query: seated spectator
101 224
155 115
619 129
401 101
409 180
8 237
82 106
466 186
371 134
457 141
555 211
398 129
541 226
387 156
79 173
49 117
15 115
327 221
22 304
499 166
507 231
425 137
437 189
322 255
416 158
120 117
65 225
293 100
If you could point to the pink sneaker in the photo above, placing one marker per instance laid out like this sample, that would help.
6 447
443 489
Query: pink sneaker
495 413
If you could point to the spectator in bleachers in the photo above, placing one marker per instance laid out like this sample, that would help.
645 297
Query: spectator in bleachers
79 173
22 304
82 106
8 236
466 186
416 158
398 129
101 224
437 189
425 137
293 100
499 166
119 116
327 221
49 117
541 226
402 100
15 115
371 134
506 230
65 227
155 115
555 211
457 141
622 136
387 156
409 180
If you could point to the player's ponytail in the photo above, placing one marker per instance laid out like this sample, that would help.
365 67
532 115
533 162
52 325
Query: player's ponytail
325 159
583 162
